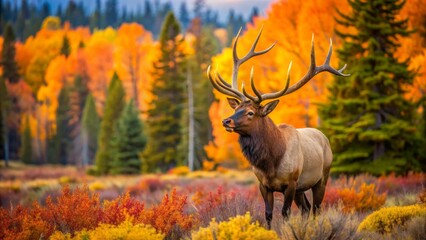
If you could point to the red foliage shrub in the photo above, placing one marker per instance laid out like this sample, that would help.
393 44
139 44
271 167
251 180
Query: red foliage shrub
148 184
222 204
74 210
393 184
24 223
331 197
116 211
169 215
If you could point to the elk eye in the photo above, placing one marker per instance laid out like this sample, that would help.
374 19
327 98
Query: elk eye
250 114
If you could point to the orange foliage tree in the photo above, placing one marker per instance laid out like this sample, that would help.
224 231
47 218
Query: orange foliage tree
291 24
99 50
134 57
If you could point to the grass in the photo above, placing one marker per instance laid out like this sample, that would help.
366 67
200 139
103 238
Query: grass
219 195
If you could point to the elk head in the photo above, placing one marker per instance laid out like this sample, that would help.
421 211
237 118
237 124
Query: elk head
248 109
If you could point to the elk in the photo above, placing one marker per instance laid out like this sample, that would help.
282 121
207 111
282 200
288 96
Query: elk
283 158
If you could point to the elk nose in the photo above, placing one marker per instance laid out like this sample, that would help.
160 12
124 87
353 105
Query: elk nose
226 121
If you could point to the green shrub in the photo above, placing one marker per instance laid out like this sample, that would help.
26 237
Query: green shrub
239 227
387 219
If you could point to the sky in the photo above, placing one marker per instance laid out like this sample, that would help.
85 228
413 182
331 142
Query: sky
222 6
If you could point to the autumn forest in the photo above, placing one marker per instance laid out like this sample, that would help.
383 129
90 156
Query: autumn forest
117 104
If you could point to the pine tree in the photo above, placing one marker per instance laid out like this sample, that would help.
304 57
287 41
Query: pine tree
128 142
95 19
89 131
63 139
111 13
4 105
113 108
8 62
164 121
184 17
26 154
66 48
369 122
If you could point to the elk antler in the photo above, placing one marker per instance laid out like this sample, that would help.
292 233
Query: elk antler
225 88
232 90
312 72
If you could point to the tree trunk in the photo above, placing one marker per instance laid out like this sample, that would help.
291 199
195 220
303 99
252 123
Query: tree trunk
379 147
6 138
191 128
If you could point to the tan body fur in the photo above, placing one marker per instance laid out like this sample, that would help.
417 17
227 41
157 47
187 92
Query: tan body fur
284 159
308 156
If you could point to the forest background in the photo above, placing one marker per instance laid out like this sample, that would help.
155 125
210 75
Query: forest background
124 92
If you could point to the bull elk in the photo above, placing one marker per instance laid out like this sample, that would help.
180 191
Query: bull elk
283 158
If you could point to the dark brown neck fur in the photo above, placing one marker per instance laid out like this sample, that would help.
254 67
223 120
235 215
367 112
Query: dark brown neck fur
263 146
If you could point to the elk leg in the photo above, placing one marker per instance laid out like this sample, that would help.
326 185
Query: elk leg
318 192
302 203
268 198
289 194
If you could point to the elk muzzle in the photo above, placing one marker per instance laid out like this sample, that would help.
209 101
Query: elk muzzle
229 124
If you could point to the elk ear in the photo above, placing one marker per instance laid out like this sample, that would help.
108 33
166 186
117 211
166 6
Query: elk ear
233 103
269 107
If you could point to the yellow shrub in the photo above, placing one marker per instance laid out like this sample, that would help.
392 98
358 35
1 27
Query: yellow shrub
386 219
66 180
95 186
125 231
181 171
238 227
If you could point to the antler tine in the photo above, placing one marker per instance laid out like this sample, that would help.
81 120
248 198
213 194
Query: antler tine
254 99
221 88
225 85
258 94
222 80
280 93
252 53
314 70
327 63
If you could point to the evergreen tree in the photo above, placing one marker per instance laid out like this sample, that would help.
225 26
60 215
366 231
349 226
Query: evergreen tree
63 139
8 62
95 19
254 13
45 10
26 154
113 108
4 104
184 15
199 6
164 121
128 142
33 24
59 12
369 122
1 18
89 131
148 17
111 13
66 48
25 9
71 13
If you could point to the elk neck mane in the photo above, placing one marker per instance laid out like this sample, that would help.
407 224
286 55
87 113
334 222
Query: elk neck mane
263 146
